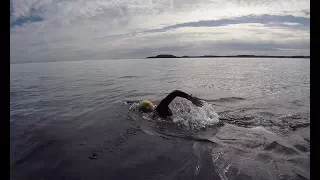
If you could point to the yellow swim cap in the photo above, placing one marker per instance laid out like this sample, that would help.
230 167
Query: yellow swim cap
146 106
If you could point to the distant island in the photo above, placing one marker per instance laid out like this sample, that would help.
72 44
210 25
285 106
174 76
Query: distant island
234 56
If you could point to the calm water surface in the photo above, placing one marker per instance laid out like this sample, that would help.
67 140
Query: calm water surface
78 119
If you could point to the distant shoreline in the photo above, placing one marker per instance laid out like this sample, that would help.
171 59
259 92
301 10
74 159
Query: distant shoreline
234 56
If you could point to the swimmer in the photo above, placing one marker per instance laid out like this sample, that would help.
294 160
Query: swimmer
163 109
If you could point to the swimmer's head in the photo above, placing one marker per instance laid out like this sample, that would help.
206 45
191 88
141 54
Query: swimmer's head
146 106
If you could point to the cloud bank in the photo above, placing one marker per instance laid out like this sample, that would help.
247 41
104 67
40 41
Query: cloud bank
61 30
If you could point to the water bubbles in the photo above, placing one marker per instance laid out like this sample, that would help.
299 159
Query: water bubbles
133 106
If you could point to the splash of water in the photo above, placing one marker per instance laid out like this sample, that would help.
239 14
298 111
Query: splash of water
186 113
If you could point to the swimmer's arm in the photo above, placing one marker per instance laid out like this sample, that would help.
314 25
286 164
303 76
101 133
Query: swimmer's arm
177 93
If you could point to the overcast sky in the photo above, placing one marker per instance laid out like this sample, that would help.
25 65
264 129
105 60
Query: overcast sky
58 30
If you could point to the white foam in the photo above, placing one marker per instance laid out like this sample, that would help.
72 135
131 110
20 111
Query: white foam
191 116
134 106
260 128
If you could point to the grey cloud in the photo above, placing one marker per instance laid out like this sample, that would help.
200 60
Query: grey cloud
186 4
306 12
257 2
22 20
263 19
34 15
51 30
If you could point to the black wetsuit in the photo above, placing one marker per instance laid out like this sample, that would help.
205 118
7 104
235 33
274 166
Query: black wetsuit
163 109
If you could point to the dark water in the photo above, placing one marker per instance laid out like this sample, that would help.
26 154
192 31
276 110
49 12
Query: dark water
78 120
